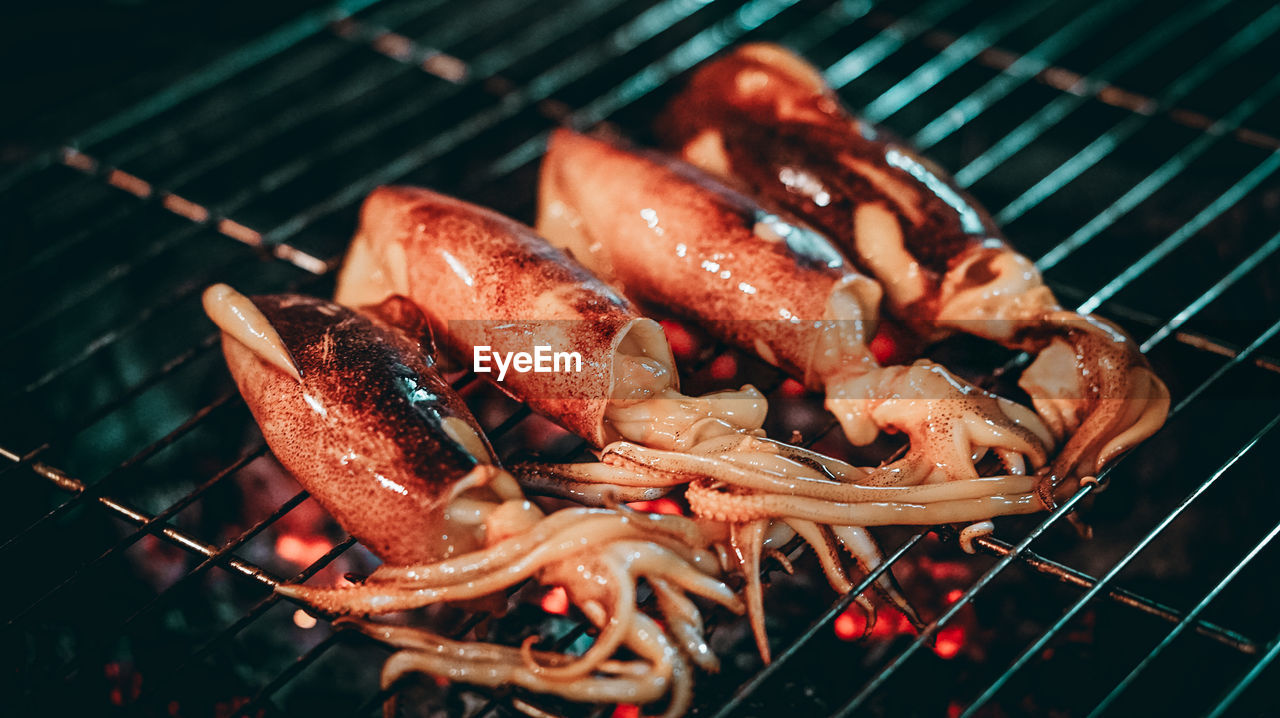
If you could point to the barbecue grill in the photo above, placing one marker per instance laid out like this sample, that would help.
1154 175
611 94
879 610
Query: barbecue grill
1130 146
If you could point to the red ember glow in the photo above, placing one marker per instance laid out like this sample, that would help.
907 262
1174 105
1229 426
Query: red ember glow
791 387
556 601
125 684
657 506
950 641
883 347
725 366
892 623
947 571
954 595
302 550
681 341
226 709
850 625
626 711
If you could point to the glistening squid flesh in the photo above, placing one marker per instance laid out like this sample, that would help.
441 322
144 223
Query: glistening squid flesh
670 235
355 410
765 118
485 280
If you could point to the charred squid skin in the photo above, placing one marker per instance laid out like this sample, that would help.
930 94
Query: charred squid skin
354 408
1123 405
484 279
671 235
765 118
367 426
458 262
589 484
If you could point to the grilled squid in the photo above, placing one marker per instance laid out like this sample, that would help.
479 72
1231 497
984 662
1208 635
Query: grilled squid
485 280
670 235
354 408
766 118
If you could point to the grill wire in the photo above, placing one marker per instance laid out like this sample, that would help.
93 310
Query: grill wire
250 171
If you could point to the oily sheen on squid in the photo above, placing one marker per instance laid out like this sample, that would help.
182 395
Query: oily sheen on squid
765 118
354 408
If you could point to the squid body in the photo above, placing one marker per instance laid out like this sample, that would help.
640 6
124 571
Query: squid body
352 405
765 118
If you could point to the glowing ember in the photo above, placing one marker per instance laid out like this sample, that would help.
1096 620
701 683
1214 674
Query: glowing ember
954 595
125 684
791 387
556 601
302 619
850 625
626 711
226 709
950 640
724 367
302 550
883 347
657 506
681 341
947 571
894 623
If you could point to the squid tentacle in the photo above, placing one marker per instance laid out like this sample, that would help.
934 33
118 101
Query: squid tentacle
1147 423
972 533
492 557
823 543
1114 426
621 683
384 598
649 641
611 636
609 524
747 540
413 638
862 547
718 505
650 559
725 469
685 623
593 484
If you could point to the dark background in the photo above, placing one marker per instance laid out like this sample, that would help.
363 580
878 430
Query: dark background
69 62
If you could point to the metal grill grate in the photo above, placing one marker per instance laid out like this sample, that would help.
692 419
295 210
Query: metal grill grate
1150 127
